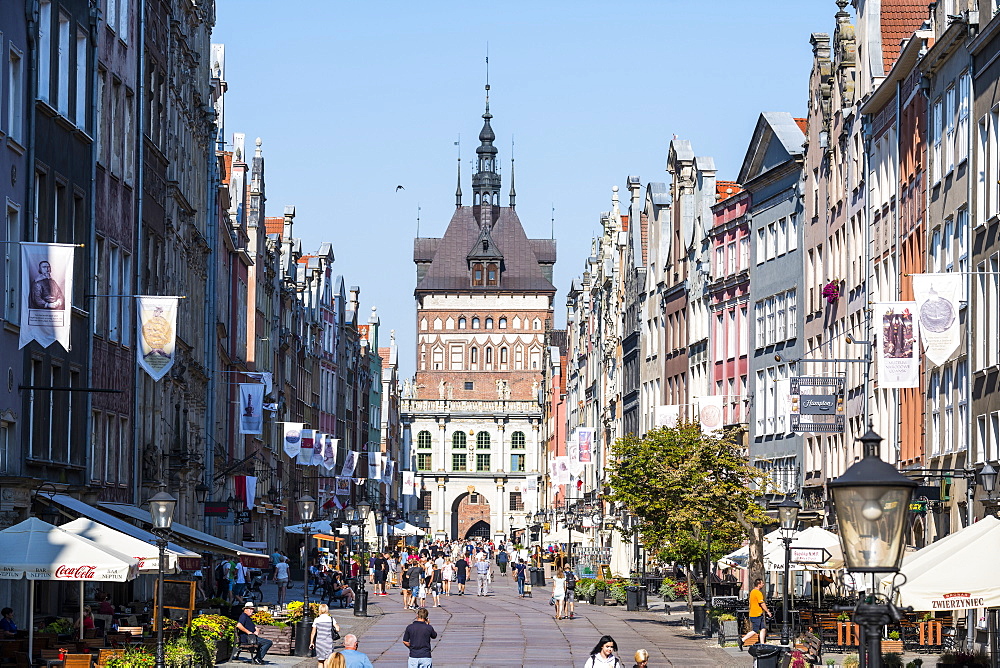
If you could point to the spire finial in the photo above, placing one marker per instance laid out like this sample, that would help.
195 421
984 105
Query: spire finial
458 189
512 193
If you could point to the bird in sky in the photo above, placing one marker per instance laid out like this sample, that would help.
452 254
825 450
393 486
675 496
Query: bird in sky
398 188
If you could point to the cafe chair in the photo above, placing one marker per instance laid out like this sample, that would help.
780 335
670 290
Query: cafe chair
78 660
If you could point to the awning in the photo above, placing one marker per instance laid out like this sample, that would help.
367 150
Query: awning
189 560
147 553
211 543
320 526
405 529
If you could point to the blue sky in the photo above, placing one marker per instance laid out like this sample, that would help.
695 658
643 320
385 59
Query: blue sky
352 99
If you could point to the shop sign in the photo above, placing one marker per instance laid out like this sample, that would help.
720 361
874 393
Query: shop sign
817 404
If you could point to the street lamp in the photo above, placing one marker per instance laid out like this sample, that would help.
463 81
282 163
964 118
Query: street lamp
307 511
872 500
988 479
379 527
788 518
570 517
161 510
358 515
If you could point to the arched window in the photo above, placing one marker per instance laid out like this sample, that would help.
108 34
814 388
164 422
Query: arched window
424 440
458 439
483 440
517 322
503 355
477 274
474 355
517 440
503 323
461 322
489 323
475 323
492 274
489 355
536 324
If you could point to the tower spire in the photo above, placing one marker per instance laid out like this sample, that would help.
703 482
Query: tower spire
458 189
512 194
486 180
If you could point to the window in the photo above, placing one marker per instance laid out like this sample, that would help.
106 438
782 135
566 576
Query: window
477 274
62 90
744 253
517 440
423 461
475 323
962 131
482 462
474 355
458 440
720 261
459 461
127 136
503 355
517 463
934 390
719 338
962 241
424 500
516 502
791 307
961 390
45 50
761 332
936 122
469 385
536 324
503 323
492 274
483 440
81 79
935 250
772 241
761 246
793 232
461 322
11 264
489 355
5 446
15 95
457 358
949 130
948 391
424 440
489 323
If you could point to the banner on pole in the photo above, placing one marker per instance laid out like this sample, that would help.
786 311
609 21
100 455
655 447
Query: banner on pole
898 356
46 293
666 415
293 438
937 297
585 444
252 405
710 414
305 455
156 320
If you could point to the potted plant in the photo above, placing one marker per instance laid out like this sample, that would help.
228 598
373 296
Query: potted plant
134 657
851 661
585 589
600 592
667 590
213 636
965 659
278 633
618 592
892 659
831 291
893 644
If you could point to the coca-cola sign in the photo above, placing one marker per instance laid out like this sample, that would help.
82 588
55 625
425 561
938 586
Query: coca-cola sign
81 572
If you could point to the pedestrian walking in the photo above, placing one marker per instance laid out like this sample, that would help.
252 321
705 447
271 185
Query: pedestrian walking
352 657
417 638
758 608
447 575
281 578
483 571
569 606
641 659
461 574
436 585
381 564
558 593
321 638
518 571
603 655
502 559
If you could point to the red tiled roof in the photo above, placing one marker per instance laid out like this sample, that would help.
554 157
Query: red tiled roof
899 19
724 189
274 224
305 259
803 124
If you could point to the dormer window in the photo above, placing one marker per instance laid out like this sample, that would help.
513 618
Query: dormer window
492 274
477 274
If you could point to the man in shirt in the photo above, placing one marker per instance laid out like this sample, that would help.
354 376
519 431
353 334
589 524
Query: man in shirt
758 608
483 572
240 581
352 657
414 574
461 574
417 637
381 566
248 630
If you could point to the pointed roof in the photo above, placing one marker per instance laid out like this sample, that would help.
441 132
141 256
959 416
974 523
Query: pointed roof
449 268
776 139
484 248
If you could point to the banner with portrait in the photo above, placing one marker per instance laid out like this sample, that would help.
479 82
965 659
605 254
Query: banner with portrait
330 447
319 439
562 470
388 472
937 297
710 414
46 293
156 321
350 459
585 444
898 350
666 415
292 442
343 486
251 408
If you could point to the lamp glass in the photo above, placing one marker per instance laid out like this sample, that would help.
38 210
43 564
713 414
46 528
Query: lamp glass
307 508
350 514
378 516
988 478
201 492
161 509
363 507
872 501
788 514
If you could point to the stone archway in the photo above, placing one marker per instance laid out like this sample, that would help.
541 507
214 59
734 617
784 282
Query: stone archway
468 510
480 529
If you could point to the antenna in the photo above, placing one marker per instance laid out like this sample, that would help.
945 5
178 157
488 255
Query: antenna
418 220
553 232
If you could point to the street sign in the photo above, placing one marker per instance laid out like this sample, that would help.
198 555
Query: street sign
243 517
810 555
918 506
817 404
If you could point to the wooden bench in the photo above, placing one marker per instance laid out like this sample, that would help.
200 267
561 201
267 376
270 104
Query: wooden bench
250 645
104 655
812 648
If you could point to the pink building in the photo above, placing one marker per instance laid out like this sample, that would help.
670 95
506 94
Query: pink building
729 291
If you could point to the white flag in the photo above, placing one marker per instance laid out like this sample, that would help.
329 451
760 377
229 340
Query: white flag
898 348
318 444
306 451
251 491
293 438
46 293
666 415
350 459
710 414
157 323
937 297
251 408
330 452
409 483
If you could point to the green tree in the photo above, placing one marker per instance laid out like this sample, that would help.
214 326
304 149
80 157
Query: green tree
687 488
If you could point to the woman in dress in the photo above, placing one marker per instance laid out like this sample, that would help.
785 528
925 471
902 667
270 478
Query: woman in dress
322 635
559 592
447 575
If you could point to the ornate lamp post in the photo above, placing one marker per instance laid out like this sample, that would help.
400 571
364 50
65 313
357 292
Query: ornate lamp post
307 511
872 499
988 479
788 518
360 515
161 509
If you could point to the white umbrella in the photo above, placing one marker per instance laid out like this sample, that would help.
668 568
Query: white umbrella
37 550
147 554
814 537
319 526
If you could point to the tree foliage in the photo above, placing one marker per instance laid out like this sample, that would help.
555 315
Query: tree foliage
687 488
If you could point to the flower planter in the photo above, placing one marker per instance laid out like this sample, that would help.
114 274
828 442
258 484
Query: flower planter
281 637
223 651
599 597
892 646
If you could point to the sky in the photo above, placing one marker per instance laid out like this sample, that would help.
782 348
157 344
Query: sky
353 99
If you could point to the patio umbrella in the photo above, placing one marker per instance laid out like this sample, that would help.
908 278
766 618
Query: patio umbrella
148 554
319 526
37 550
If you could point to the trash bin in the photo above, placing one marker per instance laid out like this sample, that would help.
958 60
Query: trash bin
768 656
537 576
635 598
702 624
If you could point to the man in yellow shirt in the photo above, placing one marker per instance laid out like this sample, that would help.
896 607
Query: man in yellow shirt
758 608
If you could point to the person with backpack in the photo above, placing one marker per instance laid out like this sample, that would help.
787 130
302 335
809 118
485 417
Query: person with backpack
568 607
518 571
603 655
502 559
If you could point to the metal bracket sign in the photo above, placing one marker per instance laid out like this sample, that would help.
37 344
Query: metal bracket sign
810 555
817 404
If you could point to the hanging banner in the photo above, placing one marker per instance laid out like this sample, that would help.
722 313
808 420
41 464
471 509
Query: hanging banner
293 438
330 452
666 415
350 459
343 486
156 319
318 444
898 350
251 487
252 408
585 441
562 470
387 471
306 450
409 484
46 293
532 483
710 414
937 298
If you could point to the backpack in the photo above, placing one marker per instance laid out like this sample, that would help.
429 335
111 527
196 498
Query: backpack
570 580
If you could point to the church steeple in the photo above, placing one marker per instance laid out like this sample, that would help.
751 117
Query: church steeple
512 194
458 189
486 180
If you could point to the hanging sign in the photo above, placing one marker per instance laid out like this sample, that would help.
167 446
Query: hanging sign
817 404
293 438
666 416
585 441
251 408
937 298
157 324
710 414
810 555
46 293
305 455
898 353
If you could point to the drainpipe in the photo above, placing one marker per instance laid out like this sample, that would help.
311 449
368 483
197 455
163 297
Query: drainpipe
92 215
210 313
137 227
